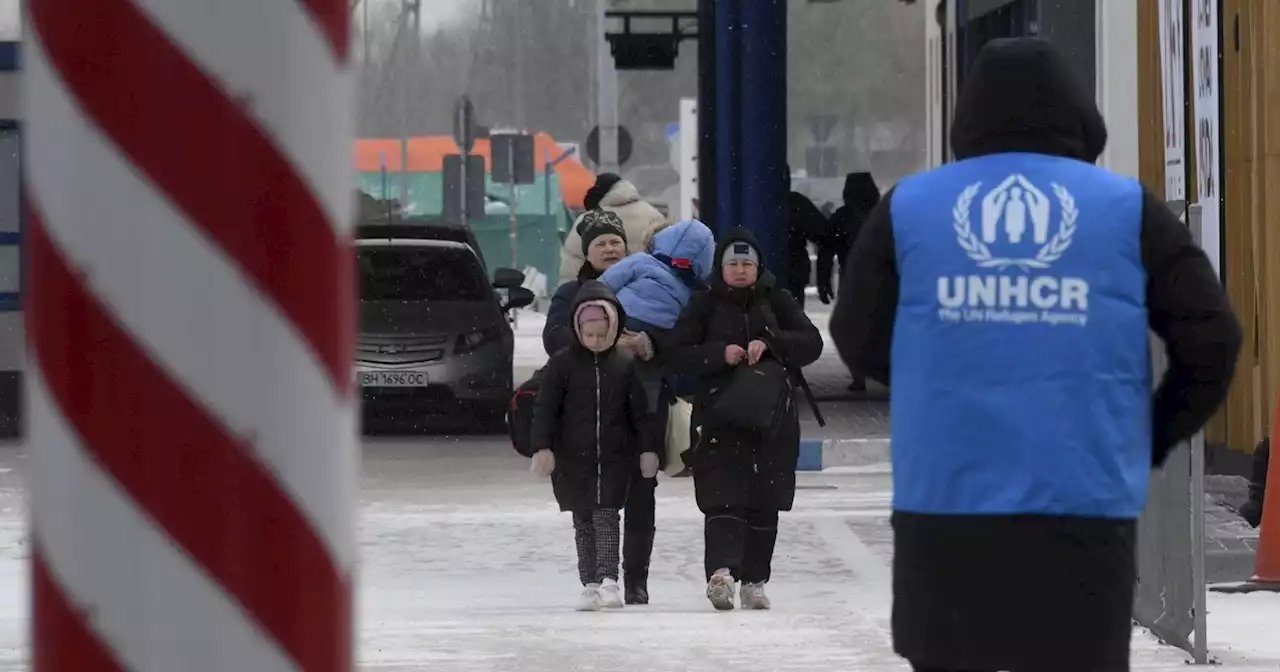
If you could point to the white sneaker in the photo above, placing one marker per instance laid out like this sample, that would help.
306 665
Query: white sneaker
590 600
610 594
720 590
752 596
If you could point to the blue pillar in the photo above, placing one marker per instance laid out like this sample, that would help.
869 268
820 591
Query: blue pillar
727 113
750 115
762 129
707 114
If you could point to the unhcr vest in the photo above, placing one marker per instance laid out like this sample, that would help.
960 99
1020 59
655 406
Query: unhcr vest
1020 371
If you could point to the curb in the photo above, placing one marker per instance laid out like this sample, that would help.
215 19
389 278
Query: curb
819 454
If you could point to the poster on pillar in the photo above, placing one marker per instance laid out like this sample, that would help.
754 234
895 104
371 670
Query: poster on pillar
1208 128
1173 77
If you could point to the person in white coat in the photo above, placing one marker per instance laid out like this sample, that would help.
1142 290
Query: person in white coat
616 195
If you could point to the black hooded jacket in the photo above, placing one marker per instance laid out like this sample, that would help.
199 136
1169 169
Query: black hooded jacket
722 462
974 610
861 194
557 333
592 413
1022 97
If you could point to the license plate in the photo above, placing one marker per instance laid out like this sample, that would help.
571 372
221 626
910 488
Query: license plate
393 379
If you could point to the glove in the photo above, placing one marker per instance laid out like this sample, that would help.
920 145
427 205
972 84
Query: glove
544 462
643 346
649 465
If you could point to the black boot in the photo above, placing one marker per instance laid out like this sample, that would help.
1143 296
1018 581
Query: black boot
637 546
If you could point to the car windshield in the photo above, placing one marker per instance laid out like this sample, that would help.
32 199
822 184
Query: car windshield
421 274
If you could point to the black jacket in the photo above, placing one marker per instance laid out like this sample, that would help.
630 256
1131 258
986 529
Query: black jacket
804 224
1251 511
735 468
974 610
860 196
592 413
557 334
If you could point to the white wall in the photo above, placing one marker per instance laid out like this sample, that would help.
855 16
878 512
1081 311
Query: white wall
933 86
1117 69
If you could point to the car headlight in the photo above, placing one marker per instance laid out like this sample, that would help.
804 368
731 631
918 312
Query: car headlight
477 339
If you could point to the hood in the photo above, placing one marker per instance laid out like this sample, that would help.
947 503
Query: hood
689 240
1021 96
622 193
594 292
860 191
764 279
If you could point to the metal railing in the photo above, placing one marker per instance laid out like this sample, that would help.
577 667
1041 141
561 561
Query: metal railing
1171 598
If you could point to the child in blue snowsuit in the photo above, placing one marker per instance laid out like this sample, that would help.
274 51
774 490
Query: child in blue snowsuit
654 287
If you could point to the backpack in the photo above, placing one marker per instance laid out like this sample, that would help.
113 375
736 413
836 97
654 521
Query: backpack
520 414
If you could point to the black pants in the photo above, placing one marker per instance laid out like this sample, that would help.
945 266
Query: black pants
638 528
742 541
595 532
918 668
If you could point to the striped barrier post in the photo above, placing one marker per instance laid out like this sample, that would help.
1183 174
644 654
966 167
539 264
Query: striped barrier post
193 427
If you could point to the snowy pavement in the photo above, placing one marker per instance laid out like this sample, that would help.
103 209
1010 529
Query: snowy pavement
466 566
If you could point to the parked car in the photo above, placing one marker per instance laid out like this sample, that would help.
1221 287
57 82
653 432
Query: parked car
434 336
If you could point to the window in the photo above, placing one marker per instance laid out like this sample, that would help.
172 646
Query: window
421 274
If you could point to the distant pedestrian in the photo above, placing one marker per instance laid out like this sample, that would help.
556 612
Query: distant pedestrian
1007 299
1252 509
803 223
612 194
591 430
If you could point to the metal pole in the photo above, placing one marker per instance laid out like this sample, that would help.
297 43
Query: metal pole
1200 607
607 90
364 32
511 203
188 512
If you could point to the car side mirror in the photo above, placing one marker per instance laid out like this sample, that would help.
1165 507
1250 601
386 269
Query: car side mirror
518 297
508 278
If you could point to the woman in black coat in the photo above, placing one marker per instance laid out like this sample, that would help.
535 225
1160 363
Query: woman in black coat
742 478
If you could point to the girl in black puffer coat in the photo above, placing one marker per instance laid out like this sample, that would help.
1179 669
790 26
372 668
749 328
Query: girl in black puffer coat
591 429
742 478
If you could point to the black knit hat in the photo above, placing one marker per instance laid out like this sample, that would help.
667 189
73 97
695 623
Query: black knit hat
604 182
598 223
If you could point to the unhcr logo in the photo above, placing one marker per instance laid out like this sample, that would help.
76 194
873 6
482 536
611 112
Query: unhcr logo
1015 220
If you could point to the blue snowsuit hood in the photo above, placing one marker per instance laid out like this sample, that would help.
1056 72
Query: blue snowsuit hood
653 288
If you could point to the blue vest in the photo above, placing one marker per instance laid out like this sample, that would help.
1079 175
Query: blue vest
1021 373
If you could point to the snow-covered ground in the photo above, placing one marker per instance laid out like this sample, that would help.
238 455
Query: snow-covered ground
467 566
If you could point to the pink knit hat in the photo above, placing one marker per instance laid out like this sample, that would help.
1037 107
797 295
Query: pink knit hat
592 313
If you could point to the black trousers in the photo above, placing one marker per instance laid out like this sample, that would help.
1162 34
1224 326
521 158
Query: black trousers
742 541
918 668
595 533
638 528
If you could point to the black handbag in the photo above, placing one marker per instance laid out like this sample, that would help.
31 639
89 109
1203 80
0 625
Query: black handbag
753 398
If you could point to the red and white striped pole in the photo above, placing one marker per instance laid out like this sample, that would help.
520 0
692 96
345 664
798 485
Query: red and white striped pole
190 317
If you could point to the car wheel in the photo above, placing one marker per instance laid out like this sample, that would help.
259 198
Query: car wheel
493 419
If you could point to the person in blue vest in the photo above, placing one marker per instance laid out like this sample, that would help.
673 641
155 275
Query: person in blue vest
1006 299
